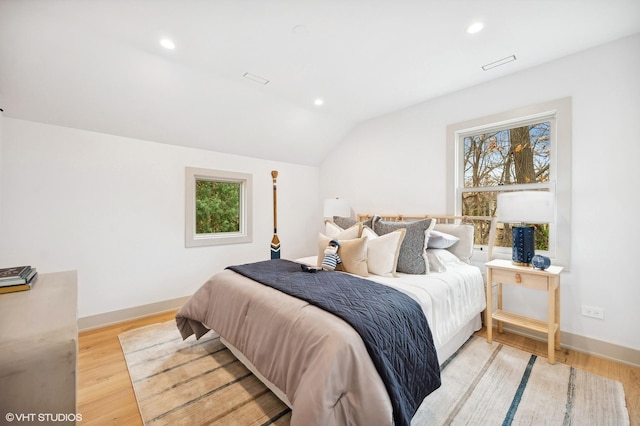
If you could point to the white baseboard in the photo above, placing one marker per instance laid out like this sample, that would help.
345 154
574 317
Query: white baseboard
586 345
114 317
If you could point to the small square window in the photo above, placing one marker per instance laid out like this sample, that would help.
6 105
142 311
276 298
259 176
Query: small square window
218 207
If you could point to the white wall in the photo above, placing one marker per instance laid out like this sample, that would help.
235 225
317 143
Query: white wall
396 164
113 209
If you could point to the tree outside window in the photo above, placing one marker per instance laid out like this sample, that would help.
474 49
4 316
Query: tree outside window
217 207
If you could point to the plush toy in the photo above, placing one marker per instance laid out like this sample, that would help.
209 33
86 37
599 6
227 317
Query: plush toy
331 258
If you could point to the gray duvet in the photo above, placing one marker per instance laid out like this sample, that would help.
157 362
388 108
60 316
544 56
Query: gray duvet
318 360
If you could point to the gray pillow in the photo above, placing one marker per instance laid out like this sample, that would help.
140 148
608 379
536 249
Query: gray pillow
412 257
346 222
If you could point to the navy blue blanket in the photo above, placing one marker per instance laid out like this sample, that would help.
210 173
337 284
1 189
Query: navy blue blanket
391 324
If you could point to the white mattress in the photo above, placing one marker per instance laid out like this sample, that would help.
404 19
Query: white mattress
450 300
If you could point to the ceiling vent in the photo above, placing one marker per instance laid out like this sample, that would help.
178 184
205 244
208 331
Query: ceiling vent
255 78
499 62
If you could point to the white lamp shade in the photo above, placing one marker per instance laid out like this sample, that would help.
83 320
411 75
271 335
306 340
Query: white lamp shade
526 207
336 207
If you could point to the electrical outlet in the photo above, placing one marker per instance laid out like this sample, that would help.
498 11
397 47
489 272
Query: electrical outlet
592 311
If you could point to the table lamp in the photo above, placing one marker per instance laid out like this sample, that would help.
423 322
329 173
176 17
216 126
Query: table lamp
525 207
336 207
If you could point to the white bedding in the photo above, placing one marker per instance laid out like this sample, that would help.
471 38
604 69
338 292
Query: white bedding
450 300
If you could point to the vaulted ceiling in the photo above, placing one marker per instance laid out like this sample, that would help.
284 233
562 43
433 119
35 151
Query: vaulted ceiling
98 64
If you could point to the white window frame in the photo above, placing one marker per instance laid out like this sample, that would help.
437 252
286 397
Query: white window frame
558 112
244 235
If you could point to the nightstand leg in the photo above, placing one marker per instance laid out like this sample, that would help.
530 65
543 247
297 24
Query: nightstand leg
488 320
551 335
557 315
500 323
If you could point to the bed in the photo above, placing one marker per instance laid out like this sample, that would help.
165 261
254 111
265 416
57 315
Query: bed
315 361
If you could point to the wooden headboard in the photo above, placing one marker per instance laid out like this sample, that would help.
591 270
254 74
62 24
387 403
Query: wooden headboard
491 221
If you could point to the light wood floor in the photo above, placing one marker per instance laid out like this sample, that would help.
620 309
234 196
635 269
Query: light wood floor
105 394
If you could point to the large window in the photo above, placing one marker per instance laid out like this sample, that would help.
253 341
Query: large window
527 149
218 207
499 160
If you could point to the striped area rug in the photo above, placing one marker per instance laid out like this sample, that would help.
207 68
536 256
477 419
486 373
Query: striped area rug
201 382
195 382
494 384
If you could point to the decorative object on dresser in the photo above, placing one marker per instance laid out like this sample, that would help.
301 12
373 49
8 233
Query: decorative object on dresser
525 207
18 278
13 272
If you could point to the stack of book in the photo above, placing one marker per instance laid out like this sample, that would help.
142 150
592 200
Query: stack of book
19 278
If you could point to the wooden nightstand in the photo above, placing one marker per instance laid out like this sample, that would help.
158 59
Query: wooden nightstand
504 272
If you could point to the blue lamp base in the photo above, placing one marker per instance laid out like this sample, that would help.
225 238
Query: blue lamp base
523 245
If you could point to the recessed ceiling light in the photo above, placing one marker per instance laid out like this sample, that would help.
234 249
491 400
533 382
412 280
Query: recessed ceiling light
300 30
167 44
475 27
318 102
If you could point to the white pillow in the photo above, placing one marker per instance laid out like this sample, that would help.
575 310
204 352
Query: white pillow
345 234
464 248
352 252
441 240
443 256
332 230
383 251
